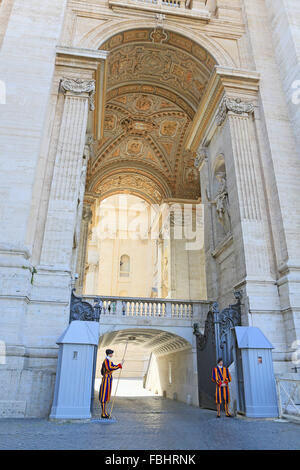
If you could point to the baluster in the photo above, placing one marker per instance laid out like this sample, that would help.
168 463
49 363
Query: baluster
168 309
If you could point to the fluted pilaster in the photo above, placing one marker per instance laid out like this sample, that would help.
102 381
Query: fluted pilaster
62 209
248 187
82 249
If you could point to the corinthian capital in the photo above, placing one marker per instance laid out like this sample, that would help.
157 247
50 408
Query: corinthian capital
236 106
79 86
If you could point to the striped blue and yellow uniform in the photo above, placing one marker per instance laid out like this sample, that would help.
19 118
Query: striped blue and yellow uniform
221 375
105 389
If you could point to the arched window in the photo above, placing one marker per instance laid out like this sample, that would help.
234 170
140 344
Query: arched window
124 266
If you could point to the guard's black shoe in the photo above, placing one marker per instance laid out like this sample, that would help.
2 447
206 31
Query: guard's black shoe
218 416
228 415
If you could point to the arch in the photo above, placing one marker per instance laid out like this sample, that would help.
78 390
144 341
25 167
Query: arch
114 171
100 34
163 339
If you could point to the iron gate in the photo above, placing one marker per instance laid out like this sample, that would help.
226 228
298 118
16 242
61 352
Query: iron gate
217 341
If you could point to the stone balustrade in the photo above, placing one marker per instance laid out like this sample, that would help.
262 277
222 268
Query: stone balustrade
177 7
149 307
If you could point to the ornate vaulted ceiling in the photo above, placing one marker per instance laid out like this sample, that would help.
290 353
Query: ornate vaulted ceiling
155 82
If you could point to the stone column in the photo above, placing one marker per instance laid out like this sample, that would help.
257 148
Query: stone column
228 123
159 265
92 276
202 164
77 232
62 209
82 249
247 204
275 24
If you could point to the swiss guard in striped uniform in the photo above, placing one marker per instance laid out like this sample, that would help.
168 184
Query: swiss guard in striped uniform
105 389
221 376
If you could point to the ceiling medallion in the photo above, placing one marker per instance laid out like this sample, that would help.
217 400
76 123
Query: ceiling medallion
158 36
138 126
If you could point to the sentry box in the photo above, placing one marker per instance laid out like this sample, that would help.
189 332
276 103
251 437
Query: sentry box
256 385
73 394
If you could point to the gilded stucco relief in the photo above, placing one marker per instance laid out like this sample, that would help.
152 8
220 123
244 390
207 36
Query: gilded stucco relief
154 85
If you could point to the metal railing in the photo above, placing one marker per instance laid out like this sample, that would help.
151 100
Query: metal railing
288 391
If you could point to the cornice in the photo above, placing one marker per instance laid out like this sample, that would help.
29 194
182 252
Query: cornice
234 84
76 52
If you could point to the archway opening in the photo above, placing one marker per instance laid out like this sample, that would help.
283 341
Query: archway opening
158 363
120 252
155 81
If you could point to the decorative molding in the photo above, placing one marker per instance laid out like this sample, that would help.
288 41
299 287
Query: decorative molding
76 52
224 82
222 246
236 106
84 311
201 158
77 86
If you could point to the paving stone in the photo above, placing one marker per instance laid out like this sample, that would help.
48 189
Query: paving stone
151 423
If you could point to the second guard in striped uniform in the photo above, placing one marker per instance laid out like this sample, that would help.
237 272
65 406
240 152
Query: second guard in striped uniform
221 376
105 389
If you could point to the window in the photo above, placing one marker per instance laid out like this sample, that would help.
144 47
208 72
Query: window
124 266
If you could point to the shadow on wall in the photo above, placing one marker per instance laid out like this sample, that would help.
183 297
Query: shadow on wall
173 376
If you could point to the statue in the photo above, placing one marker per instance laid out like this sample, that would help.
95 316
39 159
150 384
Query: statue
222 204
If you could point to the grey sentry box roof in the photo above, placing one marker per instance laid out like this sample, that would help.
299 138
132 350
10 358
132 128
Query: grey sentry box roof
80 332
75 371
251 337
255 374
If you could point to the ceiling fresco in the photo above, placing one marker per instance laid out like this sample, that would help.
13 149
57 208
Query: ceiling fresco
155 82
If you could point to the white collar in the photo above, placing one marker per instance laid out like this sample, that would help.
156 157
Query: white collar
109 358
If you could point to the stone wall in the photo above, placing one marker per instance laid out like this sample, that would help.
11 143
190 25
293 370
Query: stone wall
174 376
